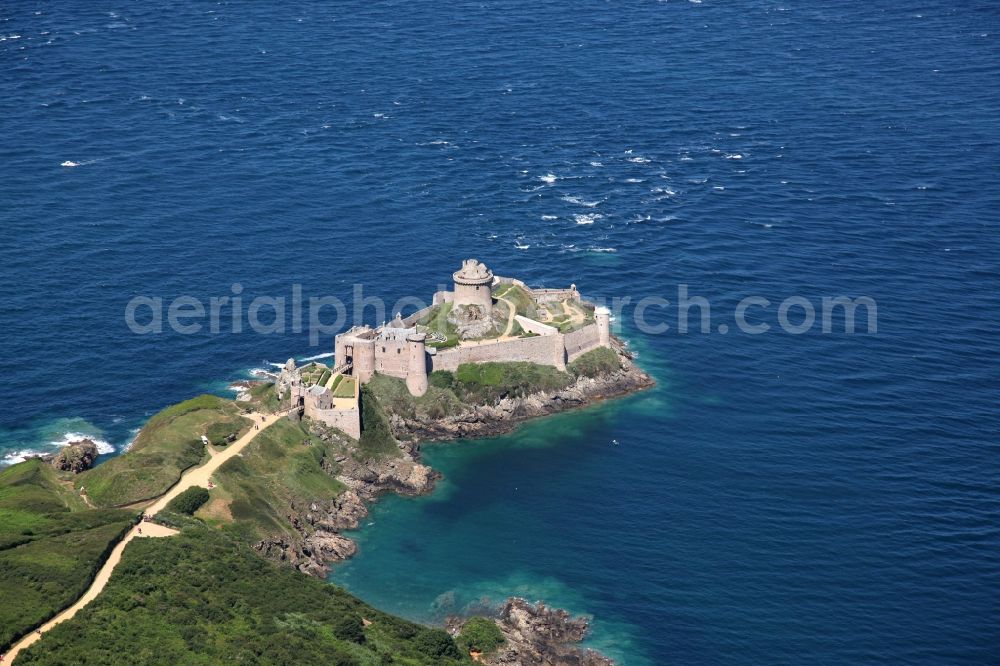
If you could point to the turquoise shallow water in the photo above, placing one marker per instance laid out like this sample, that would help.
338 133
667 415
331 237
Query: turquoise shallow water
777 499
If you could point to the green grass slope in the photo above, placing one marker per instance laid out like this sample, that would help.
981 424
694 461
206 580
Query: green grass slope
276 473
166 446
51 545
200 598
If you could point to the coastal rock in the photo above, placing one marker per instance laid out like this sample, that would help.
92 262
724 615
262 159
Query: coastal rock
537 635
371 478
333 546
76 457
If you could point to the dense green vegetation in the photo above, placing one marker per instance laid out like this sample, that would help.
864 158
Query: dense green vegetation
168 444
51 545
439 401
276 471
376 436
200 598
484 383
450 393
189 501
480 634
596 362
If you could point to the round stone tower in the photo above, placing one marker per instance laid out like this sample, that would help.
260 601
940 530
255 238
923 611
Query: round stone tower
416 372
602 316
364 359
473 286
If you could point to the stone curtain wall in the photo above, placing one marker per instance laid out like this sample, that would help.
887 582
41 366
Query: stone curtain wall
544 350
412 320
348 420
582 341
554 295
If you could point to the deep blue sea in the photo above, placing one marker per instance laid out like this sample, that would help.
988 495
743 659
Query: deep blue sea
777 498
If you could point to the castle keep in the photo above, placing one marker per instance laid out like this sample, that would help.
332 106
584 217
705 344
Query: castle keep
484 318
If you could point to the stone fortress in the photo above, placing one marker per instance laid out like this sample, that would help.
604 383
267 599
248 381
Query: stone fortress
484 318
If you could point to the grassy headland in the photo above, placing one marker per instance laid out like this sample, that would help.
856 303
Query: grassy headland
51 545
169 443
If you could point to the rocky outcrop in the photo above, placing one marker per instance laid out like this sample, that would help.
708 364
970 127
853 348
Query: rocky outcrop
504 416
537 635
319 524
76 457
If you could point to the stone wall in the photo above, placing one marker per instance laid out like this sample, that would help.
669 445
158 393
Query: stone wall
554 295
348 420
391 358
581 341
544 350
412 320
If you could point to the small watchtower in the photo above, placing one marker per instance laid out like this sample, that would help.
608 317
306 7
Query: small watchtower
474 286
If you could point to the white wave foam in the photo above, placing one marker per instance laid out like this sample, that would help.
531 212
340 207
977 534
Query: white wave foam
548 178
103 447
587 219
318 356
550 217
580 202
521 246
14 457
135 434
664 190
70 163
595 163
733 156
601 249
638 159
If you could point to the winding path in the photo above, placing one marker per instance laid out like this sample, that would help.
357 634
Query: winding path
197 476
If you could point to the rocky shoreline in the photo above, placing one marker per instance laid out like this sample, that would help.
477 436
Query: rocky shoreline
535 634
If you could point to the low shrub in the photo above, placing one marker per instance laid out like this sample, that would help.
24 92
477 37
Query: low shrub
596 362
480 634
189 501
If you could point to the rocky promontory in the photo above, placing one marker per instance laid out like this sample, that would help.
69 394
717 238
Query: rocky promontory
76 456
536 635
